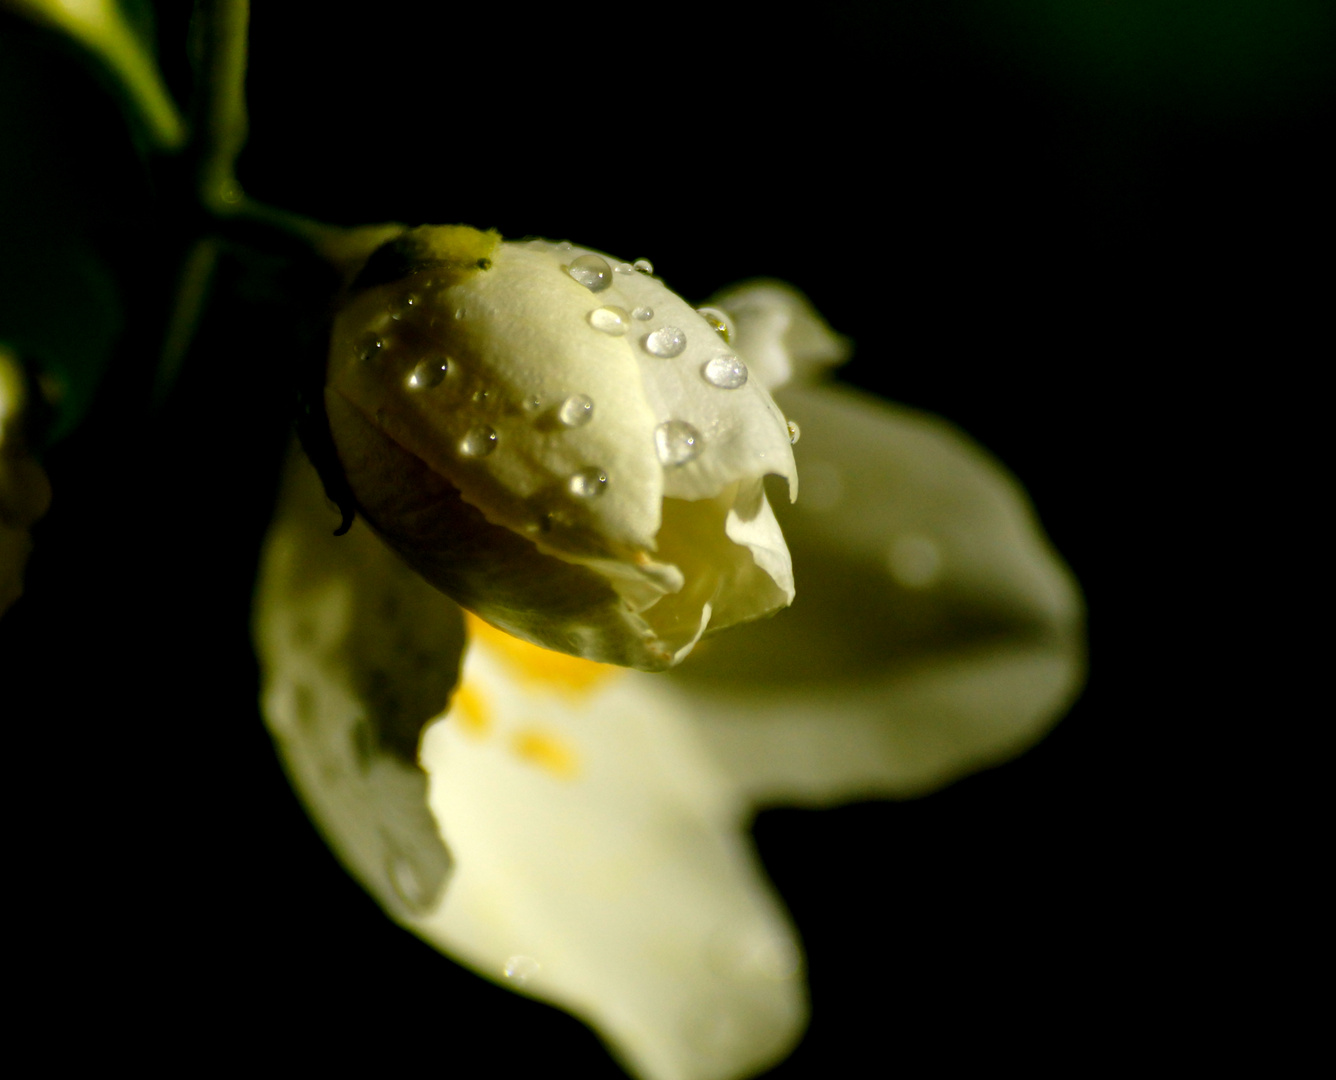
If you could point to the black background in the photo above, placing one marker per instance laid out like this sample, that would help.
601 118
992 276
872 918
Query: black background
1069 248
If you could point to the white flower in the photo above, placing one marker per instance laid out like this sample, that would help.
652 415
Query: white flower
595 817
559 443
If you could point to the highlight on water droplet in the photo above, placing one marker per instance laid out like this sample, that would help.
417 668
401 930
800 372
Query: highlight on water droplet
481 396
369 347
727 372
644 266
611 320
718 320
532 403
478 442
677 442
520 969
591 271
429 373
914 560
795 432
666 342
588 483
576 411
643 313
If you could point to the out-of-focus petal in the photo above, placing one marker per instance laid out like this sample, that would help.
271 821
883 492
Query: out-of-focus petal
935 631
602 864
357 655
780 333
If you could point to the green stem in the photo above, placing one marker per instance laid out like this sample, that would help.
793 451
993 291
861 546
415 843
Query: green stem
223 127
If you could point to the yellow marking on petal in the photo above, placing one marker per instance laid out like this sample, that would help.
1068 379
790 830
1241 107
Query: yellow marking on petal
537 664
547 751
470 710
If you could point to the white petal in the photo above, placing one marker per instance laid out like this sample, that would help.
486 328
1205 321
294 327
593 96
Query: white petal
602 865
935 631
357 655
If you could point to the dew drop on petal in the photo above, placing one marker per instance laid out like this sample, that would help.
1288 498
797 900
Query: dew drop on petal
914 560
576 411
677 442
478 442
591 271
727 372
429 373
588 483
795 432
644 266
369 347
719 320
481 396
532 403
611 320
643 313
565 245
520 969
666 341
623 268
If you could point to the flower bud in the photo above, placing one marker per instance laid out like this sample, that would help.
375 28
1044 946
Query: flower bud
560 443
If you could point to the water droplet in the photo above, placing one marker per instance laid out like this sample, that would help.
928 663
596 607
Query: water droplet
588 483
795 432
677 442
410 885
481 396
369 347
591 271
719 320
727 372
643 313
478 442
429 373
915 561
521 969
611 320
644 266
565 245
532 403
623 268
666 341
460 313
576 411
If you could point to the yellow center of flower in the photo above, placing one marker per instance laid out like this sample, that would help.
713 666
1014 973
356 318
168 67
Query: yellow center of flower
537 665
535 675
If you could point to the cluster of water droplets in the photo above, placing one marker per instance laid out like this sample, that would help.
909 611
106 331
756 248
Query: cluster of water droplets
481 440
676 441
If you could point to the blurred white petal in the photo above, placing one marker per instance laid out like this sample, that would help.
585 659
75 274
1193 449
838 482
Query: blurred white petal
935 631
358 654
780 333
